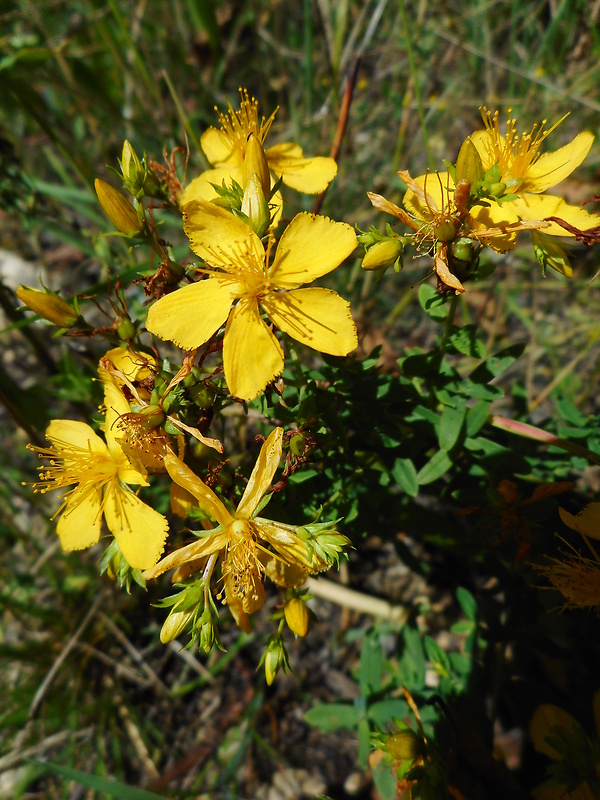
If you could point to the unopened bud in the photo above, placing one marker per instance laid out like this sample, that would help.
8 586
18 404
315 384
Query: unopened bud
125 329
118 209
48 306
382 254
469 166
297 616
255 206
175 624
131 166
404 745
208 632
255 163
274 658
550 254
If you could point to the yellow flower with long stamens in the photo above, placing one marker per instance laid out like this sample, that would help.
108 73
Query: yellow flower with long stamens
527 173
225 148
100 474
246 544
241 281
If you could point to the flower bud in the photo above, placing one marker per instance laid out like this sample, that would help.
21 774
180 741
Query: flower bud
469 166
208 631
48 306
297 616
125 329
255 163
175 624
274 658
118 209
255 206
404 745
382 254
131 166
550 254
298 444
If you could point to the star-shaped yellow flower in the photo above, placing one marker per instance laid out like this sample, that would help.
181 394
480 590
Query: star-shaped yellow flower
242 540
241 281
100 474
528 173
225 148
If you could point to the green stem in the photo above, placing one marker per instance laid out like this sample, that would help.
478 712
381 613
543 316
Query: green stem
449 322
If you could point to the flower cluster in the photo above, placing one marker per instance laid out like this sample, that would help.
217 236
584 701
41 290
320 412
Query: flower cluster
497 187
248 284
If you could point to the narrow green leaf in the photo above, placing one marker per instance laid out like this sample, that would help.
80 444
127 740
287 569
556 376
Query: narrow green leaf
437 466
451 424
477 416
108 788
405 475
467 602
371 666
332 716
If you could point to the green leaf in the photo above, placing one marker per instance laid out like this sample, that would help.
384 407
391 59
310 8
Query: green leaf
477 416
385 780
437 656
465 341
433 304
451 424
364 742
405 475
332 716
496 364
437 466
385 710
371 666
467 602
108 788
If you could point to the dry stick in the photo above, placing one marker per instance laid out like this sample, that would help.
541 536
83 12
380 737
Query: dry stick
19 754
43 688
341 124
135 654
363 603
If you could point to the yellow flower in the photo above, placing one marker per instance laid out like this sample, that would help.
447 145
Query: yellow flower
100 474
225 149
241 281
243 541
558 735
527 173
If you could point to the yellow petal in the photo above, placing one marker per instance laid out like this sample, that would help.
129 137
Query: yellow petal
235 606
207 499
189 553
552 168
140 531
483 144
586 522
117 405
541 206
319 318
192 314
309 175
290 546
79 525
75 433
310 247
428 194
252 356
217 236
216 147
135 366
203 187
546 718
443 272
262 474
381 204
